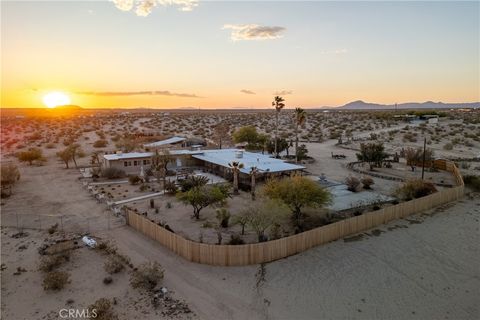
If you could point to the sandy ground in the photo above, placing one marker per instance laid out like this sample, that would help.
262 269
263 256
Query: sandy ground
426 267
426 270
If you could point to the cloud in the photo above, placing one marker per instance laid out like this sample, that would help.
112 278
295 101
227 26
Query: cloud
144 7
247 91
254 32
135 93
283 92
337 51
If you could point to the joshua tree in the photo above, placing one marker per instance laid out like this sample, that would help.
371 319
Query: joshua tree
300 117
235 166
278 103
253 173
159 165
75 150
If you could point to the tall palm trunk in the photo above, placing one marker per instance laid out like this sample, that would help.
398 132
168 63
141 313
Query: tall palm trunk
276 133
296 141
235 181
252 187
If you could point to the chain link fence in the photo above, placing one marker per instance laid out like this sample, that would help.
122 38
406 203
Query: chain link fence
66 223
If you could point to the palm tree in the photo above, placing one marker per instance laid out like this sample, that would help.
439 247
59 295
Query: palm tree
278 103
235 166
253 173
300 118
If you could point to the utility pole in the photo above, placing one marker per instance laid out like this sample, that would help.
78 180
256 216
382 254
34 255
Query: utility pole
423 162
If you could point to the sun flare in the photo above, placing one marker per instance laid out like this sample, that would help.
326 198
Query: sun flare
55 99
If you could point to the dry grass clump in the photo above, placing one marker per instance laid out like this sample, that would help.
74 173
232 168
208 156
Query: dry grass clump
352 183
55 280
50 263
416 188
147 276
114 264
103 310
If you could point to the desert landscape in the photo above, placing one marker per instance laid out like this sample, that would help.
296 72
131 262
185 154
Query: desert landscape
50 205
191 159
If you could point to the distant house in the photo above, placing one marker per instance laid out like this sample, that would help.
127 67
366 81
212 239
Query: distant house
167 143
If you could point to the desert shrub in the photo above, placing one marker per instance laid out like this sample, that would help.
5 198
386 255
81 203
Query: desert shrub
9 175
367 182
223 216
147 276
134 179
55 280
103 310
107 247
170 187
30 155
53 228
192 182
352 183
50 263
417 188
235 239
114 264
448 146
472 182
100 143
113 173
107 280
465 165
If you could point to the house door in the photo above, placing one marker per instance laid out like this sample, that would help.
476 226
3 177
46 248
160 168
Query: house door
179 162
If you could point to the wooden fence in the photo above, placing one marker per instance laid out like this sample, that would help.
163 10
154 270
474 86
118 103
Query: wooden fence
247 254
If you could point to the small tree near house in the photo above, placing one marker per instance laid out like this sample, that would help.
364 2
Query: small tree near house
297 192
372 153
204 196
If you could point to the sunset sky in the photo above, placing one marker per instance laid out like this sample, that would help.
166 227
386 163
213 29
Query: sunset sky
231 54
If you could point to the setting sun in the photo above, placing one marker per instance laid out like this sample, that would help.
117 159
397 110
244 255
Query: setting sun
55 99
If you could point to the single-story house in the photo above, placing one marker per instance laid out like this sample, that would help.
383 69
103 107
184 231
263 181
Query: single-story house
215 161
130 162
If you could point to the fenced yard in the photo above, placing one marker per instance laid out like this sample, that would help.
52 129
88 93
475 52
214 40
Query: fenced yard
236 255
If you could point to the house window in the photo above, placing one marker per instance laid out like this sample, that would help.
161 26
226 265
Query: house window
125 163
135 162
129 163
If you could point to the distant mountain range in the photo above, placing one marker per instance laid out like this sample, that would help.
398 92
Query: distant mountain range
361 105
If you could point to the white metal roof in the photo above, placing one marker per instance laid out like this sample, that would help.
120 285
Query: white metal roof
129 155
249 159
171 140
